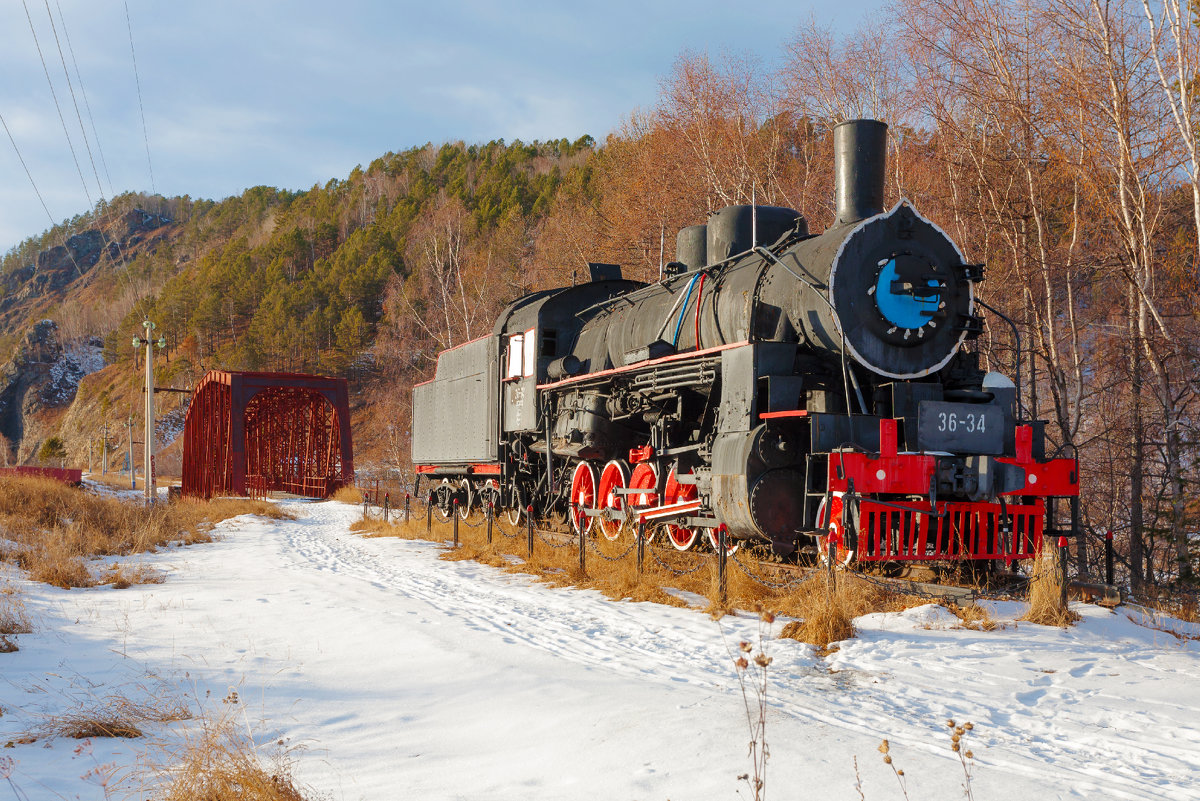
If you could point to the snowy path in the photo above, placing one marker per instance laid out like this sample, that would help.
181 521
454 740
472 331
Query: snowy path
406 676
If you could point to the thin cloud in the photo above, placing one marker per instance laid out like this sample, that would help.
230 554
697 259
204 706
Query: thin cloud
295 93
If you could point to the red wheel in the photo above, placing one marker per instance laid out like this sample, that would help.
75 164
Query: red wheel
682 537
615 477
835 532
583 496
644 477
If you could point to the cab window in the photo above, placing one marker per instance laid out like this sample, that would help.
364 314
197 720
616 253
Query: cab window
516 350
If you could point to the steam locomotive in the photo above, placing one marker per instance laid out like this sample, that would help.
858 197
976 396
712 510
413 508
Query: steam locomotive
804 392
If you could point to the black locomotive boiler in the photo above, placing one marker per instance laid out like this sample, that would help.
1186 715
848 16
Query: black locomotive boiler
793 389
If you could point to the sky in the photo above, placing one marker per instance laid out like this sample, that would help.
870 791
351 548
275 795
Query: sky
291 94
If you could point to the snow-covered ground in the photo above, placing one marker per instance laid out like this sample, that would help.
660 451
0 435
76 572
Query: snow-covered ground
407 676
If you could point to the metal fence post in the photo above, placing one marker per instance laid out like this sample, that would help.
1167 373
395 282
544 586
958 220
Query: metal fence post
490 515
387 505
722 556
429 514
641 546
1077 532
364 507
1108 558
529 529
406 507
1062 570
582 548
456 522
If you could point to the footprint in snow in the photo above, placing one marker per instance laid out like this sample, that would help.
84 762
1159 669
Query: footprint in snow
1030 698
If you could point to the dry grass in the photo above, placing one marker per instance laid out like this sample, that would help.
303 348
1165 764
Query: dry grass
56 529
1183 608
828 605
1157 620
123 575
412 530
221 762
974 617
825 619
1045 594
120 481
13 618
1187 610
114 715
348 495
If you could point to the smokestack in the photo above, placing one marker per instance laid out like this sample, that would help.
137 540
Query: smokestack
691 246
859 168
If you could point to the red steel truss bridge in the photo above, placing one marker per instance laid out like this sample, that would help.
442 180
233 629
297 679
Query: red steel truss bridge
256 433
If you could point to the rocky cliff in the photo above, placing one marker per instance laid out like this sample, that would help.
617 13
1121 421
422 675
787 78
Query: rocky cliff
37 384
39 380
52 274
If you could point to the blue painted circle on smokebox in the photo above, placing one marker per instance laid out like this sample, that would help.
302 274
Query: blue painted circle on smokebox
901 309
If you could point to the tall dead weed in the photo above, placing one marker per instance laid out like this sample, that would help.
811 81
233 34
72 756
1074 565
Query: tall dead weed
220 761
1045 594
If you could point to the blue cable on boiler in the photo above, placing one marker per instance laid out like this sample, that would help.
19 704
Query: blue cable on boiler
683 309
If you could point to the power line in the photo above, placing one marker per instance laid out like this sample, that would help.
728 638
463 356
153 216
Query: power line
62 119
37 192
27 172
71 88
86 103
120 250
138 80
54 95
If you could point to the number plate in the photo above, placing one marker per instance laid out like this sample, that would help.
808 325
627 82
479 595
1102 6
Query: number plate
960 427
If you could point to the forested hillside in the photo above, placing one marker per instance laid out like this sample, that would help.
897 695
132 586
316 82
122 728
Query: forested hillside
299 281
1056 142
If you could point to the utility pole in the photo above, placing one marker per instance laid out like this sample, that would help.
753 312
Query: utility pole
148 453
129 439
